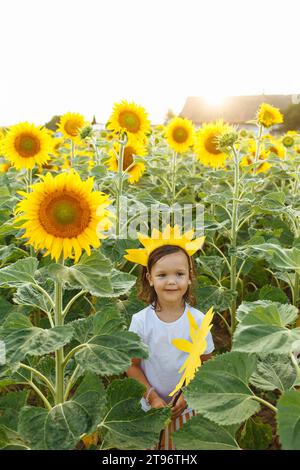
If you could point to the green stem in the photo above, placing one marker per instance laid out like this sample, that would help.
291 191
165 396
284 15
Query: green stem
40 375
59 354
40 394
71 353
71 382
72 153
258 146
234 229
296 365
173 178
69 305
266 403
296 290
122 144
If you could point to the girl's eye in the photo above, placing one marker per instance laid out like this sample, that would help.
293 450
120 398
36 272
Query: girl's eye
180 274
161 275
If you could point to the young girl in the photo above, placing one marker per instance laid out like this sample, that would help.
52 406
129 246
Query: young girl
166 286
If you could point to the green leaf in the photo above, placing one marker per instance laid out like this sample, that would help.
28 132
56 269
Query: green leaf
282 258
18 273
10 440
33 341
262 328
288 418
266 311
28 294
275 294
218 297
126 425
91 396
10 406
94 274
273 372
121 282
107 348
273 201
220 390
9 253
201 434
255 435
58 429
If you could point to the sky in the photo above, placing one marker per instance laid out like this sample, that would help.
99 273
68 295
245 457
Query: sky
85 55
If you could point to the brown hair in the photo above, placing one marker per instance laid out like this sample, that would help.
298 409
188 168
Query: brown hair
147 293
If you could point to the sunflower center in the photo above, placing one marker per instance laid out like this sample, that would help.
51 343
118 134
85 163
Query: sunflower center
128 157
130 121
274 150
210 144
27 145
180 135
72 127
268 116
64 215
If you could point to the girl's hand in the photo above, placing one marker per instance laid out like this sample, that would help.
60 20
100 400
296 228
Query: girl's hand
157 402
180 406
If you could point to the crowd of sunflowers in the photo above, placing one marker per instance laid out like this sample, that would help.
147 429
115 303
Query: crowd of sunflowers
61 195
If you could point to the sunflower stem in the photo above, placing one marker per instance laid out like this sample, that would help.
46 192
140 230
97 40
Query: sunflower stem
234 230
122 144
29 183
72 153
59 354
173 185
258 146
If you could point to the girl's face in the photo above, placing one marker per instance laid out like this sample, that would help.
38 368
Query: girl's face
170 277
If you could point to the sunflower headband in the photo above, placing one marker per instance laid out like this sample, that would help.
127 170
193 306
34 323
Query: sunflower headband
170 236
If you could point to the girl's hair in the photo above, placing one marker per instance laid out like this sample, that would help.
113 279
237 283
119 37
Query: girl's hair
147 293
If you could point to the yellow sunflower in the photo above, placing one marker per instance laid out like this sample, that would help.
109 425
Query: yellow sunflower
206 146
61 215
180 134
57 143
132 148
277 148
249 158
70 125
268 115
130 118
26 145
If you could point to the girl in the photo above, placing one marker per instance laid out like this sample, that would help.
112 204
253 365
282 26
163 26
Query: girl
166 286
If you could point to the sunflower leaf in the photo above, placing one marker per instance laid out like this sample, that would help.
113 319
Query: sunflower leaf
126 425
288 419
18 273
220 390
262 328
201 434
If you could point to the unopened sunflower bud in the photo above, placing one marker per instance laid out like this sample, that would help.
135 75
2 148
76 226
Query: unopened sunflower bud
86 131
227 140
288 141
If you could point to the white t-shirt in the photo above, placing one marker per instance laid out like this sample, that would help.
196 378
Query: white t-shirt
164 361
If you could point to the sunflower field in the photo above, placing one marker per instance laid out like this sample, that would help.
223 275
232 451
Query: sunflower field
67 294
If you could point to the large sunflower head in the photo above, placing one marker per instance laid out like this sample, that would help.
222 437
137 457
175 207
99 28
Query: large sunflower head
132 148
70 125
206 145
129 118
61 215
180 134
268 115
26 145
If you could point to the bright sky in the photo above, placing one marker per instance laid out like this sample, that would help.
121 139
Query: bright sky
84 55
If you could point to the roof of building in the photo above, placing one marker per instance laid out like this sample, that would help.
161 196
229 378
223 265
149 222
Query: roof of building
233 109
